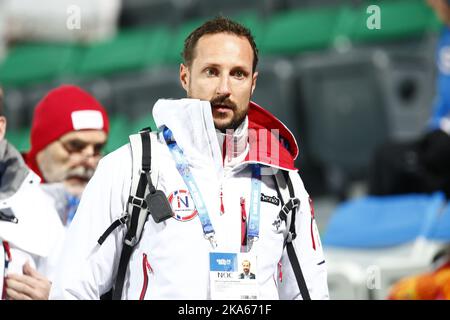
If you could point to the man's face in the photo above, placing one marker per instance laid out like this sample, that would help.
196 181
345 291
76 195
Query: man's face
221 72
246 267
72 158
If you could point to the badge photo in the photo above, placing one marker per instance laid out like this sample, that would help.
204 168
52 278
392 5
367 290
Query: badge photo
182 205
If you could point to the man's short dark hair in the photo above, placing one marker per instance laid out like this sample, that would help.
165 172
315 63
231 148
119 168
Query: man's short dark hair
217 25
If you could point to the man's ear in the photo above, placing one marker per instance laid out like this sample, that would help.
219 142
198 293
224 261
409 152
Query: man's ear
184 76
254 78
2 127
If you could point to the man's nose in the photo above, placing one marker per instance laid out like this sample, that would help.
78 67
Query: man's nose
89 158
224 86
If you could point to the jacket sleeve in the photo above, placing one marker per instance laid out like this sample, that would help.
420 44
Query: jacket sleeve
308 249
85 269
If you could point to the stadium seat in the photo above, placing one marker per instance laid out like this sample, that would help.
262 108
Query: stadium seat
121 128
21 101
33 63
372 242
291 32
377 222
144 122
177 39
249 18
356 100
253 21
118 132
129 50
135 94
440 230
19 138
344 114
275 91
418 18
155 12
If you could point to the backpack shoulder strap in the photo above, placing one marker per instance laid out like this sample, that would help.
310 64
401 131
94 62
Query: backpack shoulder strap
290 205
136 213
144 172
141 163
136 206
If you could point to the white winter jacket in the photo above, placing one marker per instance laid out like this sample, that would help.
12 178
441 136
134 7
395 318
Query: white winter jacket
172 259
36 235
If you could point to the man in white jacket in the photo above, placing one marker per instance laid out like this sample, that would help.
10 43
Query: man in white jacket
30 227
215 153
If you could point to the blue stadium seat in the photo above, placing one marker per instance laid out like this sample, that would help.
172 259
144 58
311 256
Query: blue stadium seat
372 242
376 222
440 230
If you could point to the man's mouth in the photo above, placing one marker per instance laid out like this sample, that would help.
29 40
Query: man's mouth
79 174
82 179
222 108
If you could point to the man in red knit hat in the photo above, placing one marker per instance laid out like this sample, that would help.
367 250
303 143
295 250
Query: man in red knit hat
68 132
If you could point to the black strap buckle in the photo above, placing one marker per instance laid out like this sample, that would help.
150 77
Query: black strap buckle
289 206
137 202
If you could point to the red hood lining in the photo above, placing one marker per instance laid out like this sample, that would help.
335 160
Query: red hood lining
259 118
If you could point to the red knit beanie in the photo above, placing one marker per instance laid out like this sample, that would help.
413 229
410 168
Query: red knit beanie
64 109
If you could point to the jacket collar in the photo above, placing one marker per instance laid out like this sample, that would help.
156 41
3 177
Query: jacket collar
234 144
13 170
271 142
190 120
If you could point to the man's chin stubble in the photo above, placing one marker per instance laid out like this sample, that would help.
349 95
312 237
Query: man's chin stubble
232 124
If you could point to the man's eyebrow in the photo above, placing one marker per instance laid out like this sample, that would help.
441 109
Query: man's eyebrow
241 68
217 65
210 64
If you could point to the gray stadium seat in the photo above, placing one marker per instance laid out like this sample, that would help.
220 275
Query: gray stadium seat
135 94
276 91
354 101
20 103
149 12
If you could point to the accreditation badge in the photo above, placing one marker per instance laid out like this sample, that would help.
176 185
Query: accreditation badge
233 276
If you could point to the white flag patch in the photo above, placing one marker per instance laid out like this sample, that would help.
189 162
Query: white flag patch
87 119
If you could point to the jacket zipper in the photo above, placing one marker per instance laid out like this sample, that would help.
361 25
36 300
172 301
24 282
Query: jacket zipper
146 267
280 271
243 225
224 150
222 208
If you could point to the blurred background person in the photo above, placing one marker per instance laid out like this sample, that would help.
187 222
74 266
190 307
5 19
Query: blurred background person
432 171
68 133
422 165
30 227
432 285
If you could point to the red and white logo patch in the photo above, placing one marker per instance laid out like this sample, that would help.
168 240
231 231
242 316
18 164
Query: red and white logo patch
183 206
